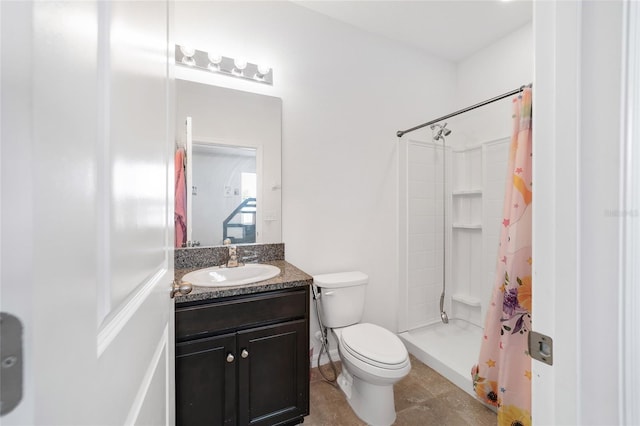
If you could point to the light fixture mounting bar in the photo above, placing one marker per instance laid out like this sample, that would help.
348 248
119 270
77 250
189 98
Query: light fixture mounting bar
226 66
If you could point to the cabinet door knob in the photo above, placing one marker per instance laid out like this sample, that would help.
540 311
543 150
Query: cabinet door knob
230 357
244 353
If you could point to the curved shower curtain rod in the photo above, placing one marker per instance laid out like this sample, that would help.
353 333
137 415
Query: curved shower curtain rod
400 133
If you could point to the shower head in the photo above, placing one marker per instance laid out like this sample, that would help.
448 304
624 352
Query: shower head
442 129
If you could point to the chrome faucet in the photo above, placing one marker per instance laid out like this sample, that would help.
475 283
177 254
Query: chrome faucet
233 257
232 261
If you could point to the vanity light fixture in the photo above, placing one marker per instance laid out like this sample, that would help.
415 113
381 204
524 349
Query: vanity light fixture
215 63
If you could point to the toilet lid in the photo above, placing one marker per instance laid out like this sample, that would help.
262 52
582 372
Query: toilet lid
374 345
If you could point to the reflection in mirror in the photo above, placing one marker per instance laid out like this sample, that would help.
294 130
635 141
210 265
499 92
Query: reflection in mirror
224 192
228 134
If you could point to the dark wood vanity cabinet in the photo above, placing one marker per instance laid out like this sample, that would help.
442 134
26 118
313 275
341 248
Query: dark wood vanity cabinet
205 382
243 360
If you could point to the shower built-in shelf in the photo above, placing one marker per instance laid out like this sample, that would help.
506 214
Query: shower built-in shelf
473 226
466 206
467 192
466 299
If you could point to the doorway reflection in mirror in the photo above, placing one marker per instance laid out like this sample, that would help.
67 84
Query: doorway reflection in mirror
224 194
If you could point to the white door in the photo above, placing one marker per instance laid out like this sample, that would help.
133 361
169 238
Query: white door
87 217
581 213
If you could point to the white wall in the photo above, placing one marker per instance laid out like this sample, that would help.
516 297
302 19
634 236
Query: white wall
345 94
501 67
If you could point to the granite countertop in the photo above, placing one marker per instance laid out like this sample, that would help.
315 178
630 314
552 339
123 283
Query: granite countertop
289 277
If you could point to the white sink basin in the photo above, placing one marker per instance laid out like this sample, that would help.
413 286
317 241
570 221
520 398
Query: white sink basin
217 276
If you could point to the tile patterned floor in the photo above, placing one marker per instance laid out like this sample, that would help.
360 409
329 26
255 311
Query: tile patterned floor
422 398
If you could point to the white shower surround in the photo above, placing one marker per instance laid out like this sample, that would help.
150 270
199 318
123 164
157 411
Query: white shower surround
474 190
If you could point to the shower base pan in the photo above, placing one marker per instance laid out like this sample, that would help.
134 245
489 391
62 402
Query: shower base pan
450 349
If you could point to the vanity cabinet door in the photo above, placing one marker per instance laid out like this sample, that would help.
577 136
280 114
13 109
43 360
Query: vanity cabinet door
273 373
206 381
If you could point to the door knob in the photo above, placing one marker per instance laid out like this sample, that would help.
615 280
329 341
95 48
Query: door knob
230 357
182 287
244 353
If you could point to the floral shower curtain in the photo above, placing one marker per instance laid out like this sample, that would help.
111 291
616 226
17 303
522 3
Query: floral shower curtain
502 377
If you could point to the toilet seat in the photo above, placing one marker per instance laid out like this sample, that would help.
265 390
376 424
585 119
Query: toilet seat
375 346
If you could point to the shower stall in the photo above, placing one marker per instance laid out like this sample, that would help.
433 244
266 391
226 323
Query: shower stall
451 188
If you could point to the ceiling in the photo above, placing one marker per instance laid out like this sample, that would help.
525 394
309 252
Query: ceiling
450 29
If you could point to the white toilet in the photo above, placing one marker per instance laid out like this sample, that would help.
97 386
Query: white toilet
373 358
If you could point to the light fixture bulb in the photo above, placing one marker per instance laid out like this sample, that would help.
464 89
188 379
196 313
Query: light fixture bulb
188 53
240 64
263 70
214 62
215 58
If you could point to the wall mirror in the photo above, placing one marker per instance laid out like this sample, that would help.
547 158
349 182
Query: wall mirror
233 164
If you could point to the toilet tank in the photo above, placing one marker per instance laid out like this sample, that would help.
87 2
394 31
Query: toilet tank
342 297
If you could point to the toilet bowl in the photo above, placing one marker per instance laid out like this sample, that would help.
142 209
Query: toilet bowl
373 358
376 353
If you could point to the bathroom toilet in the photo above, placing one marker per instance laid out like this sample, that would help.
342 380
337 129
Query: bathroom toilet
373 358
